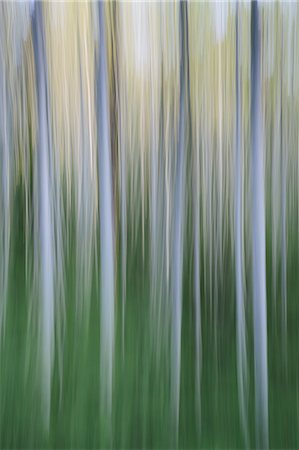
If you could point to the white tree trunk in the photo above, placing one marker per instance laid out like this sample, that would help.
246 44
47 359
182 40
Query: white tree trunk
106 225
5 193
178 233
258 237
45 215
239 260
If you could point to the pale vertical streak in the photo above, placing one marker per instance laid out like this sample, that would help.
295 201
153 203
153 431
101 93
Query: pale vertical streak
178 234
197 271
197 265
283 207
217 212
153 196
218 259
205 201
84 203
121 92
275 202
5 192
45 215
239 248
258 237
142 181
275 182
123 178
106 224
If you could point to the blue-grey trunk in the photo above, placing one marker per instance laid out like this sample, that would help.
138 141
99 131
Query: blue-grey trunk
178 232
106 225
5 130
258 237
45 214
283 174
239 260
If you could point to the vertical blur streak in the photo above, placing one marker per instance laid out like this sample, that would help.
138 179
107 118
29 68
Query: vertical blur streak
217 253
178 230
45 214
283 211
4 189
240 307
122 177
154 200
85 221
123 197
197 265
258 238
106 226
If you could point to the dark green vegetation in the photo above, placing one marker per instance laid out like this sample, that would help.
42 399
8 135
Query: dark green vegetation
141 395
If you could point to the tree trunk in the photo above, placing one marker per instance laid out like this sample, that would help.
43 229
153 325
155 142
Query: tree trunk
106 226
239 261
258 237
45 213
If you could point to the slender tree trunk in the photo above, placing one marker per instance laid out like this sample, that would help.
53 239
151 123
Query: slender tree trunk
178 231
197 270
283 212
45 213
239 246
258 237
5 193
154 202
123 190
106 226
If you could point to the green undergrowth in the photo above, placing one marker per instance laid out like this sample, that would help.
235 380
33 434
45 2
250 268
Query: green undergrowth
141 416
